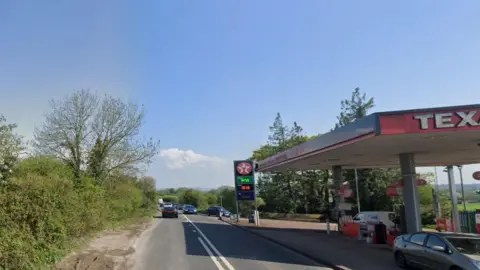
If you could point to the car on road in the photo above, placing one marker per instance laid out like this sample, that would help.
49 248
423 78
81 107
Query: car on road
170 212
167 204
217 210
435 250
189 209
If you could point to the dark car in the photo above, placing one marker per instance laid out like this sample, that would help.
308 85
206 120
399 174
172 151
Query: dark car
217 211
440 251
189 209
170 212
180 207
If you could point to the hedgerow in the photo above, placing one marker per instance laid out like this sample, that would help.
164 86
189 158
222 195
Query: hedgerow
42 212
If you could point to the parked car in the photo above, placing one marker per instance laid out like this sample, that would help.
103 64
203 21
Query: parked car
217 210
169 212
189 209
440 251
226 213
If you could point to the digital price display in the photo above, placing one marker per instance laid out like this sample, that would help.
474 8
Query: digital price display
246 187
244 180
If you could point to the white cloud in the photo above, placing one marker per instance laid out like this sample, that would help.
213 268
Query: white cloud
178 159
185 168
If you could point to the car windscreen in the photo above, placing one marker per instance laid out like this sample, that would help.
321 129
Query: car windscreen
465 245
188 206
169 208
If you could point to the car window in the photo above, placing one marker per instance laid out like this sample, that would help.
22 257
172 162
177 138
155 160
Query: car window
418 238
434 240
465 245
358 217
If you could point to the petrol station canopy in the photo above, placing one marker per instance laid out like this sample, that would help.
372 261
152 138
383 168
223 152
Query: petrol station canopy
436 136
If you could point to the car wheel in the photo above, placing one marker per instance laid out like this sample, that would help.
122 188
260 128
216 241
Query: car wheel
455 268
400 260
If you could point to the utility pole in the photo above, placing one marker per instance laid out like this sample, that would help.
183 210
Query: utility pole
463 198
356 191
438 209
461 183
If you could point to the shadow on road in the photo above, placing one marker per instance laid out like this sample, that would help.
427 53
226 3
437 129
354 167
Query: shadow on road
331 249
235 243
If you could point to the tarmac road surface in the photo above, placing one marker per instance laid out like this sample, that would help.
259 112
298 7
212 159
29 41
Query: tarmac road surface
197 242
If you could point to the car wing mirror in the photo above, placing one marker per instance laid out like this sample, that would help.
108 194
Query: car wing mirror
439 248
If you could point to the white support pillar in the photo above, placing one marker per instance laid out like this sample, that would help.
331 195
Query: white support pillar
411 197
337 183
453 197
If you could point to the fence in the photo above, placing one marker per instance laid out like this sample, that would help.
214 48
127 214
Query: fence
467 222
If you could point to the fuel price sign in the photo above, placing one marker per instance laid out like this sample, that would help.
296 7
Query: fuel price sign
244 180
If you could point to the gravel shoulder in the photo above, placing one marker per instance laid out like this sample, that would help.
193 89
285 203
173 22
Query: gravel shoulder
112 249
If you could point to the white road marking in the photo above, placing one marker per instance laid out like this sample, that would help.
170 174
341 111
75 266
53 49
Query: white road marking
229 266
212 256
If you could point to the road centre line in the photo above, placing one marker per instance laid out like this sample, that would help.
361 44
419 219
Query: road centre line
212 256
225 261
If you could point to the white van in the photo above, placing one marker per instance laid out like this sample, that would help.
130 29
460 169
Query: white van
385 217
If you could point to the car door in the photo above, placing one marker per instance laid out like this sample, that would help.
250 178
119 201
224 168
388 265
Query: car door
414 250
434 257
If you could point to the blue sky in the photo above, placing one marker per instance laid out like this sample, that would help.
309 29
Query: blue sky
213 74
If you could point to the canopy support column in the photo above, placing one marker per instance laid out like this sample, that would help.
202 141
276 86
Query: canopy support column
337 176
411 196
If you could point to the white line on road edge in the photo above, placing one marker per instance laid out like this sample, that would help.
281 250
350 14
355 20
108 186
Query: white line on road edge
229 266
212 256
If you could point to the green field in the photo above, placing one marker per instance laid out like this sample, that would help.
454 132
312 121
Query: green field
470 206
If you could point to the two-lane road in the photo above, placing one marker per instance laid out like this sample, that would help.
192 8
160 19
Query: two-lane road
196 242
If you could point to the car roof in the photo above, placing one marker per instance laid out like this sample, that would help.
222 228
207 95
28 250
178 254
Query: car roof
457 235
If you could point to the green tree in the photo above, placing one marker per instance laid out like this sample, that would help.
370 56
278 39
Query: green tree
289 191
101 133
228 197
211 199
354 108
195 198
170 198
372 182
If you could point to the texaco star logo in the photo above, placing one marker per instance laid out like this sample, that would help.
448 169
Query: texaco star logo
244 168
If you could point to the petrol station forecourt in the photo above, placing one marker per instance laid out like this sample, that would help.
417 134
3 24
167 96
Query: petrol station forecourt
442 136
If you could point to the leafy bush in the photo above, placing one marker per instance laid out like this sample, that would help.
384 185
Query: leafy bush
42 212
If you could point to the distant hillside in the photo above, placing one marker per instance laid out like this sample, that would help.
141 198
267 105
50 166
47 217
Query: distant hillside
465 186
